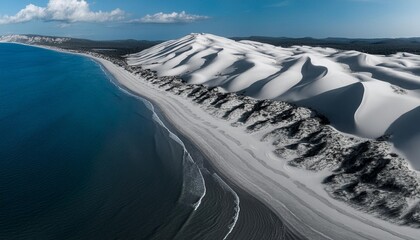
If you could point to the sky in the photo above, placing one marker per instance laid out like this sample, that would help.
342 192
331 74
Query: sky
169 19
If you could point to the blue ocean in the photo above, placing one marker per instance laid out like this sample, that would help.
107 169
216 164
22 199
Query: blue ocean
81 159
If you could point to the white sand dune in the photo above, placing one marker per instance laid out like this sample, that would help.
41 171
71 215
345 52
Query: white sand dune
362 94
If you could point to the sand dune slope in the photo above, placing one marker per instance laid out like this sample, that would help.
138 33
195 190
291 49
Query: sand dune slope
362 94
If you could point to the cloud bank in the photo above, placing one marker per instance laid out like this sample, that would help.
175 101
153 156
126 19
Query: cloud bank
68 11
71 11
166 18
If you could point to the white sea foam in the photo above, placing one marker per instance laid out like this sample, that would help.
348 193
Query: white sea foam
237 203
195 184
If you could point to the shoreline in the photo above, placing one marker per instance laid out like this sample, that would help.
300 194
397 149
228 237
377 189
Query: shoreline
328 226
264 185
275 228
274 225
253 204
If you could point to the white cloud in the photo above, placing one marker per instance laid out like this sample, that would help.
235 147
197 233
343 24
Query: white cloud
181 17
68 11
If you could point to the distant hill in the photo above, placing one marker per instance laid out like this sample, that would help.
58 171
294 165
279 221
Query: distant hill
33 39
115 48
118 48
373 46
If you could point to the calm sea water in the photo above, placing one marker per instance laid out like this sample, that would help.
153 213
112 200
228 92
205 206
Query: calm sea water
79 158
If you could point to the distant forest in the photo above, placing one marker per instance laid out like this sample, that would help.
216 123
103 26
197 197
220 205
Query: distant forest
383 46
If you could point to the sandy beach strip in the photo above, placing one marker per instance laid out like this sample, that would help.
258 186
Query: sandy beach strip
303 205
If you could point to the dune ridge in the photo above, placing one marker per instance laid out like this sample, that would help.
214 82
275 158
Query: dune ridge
366 95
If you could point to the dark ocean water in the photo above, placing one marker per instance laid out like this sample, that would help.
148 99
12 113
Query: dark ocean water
78 157
81 158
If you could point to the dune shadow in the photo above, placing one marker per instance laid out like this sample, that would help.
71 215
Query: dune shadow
339 105
405 135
